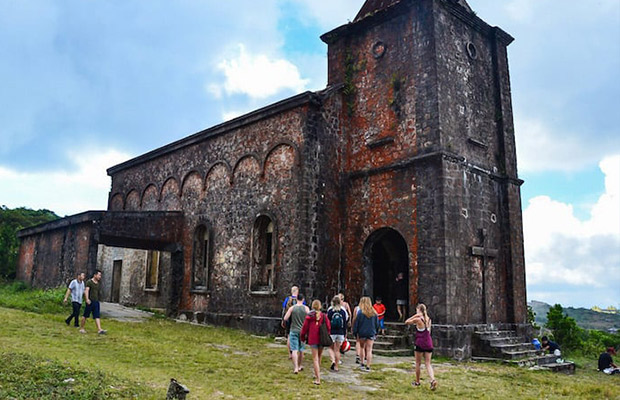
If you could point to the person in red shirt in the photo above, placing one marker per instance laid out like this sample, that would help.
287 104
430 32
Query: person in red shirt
310 334
380 309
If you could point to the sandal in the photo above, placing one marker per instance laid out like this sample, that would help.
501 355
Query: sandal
316 382
433 384
415 384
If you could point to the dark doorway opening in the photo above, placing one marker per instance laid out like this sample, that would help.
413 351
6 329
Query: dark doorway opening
117 272
385 256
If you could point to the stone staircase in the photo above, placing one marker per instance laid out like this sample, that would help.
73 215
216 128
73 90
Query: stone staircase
508 346
395 342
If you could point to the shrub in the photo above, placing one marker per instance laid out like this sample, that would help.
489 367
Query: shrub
564 329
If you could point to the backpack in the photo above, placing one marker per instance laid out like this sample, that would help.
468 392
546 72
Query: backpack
337 321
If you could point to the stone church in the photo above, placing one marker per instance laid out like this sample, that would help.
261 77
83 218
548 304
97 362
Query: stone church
404 163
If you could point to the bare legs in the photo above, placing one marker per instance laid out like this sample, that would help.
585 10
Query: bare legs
334 355
316 363
297 357
429 367
402 312
366 352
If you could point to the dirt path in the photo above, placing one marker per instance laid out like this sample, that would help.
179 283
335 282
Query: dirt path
121 313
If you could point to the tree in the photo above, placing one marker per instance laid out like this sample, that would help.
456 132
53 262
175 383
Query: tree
564 328
11 221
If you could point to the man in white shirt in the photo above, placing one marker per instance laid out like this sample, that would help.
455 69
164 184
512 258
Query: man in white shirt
76 290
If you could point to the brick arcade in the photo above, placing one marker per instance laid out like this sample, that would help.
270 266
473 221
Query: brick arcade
405 162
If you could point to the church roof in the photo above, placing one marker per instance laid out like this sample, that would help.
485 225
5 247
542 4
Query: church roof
371 7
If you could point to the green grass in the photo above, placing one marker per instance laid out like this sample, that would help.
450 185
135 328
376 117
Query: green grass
46 301
136 360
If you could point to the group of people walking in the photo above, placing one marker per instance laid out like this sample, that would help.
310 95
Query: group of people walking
328 329
89 291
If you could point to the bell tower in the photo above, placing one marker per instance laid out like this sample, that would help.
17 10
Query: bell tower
428 151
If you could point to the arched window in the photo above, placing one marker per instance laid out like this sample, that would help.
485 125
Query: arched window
200 267
262 269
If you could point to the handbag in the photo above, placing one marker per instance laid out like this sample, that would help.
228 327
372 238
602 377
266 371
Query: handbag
325 339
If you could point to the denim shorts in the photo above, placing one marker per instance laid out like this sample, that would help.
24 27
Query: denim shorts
337 338
295 342
93 308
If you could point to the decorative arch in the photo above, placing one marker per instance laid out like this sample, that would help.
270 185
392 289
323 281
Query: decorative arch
117 202
247 169
218 176
150 198
192 184
280 161
132 201
169 196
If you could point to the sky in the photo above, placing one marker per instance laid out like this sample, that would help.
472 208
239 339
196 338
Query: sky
85 85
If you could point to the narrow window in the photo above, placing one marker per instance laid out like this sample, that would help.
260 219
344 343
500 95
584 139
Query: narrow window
263 258
200 270
152 270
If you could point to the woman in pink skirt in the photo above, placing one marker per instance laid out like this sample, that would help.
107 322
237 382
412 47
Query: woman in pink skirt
423 344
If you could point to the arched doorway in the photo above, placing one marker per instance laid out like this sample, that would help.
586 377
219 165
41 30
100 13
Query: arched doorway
385 256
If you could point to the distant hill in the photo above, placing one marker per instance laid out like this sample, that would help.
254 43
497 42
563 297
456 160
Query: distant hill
585 318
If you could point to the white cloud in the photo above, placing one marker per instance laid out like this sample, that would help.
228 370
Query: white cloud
562 251
63 192
541 148
257 75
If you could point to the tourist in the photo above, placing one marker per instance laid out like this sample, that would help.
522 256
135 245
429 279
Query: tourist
346 307
606 363
423 344
401 296
337 317
358 347
288 302
296 315
551 347
91 294
310 334
76 290
365 329
380 309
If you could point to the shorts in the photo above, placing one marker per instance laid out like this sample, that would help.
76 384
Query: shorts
337 338
316 346
93 308
401 302
423 350
382 323
295 342
368 338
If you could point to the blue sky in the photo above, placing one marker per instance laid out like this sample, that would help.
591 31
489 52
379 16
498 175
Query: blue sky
86 85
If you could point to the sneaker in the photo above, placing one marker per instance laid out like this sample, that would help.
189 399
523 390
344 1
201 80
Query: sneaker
82 331
67 322
357 359
333 366
367 369
102 332
339 362
362 367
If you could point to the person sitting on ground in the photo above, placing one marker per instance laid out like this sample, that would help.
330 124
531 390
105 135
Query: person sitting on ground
550 346
380 309
606 363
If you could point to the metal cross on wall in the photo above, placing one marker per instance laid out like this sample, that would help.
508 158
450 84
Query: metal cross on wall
486 253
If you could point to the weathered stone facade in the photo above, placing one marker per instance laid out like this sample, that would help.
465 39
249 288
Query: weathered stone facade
405 163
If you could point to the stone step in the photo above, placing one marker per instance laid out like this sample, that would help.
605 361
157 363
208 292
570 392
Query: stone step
488 359
516 354
566 367
386 345
508 347
393 352
486 335
533 361
504 340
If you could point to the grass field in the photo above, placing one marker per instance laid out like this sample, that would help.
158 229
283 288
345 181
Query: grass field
42 358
